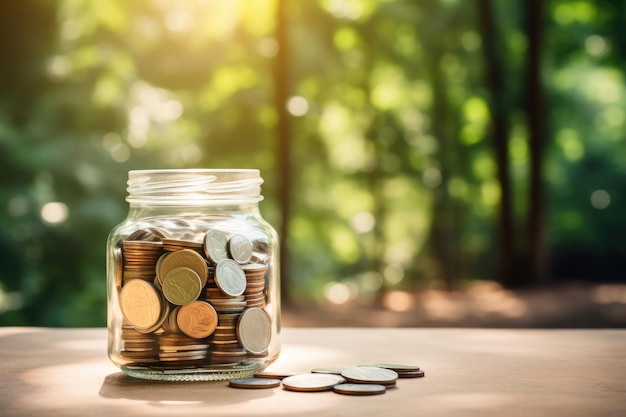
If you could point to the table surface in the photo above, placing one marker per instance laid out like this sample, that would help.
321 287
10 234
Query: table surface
469 372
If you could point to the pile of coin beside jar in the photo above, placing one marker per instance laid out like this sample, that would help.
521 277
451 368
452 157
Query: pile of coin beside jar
366 379
187 302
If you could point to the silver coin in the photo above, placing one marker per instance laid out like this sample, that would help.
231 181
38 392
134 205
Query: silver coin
254 330
337 370
359 389
254 383
273 375
230 277
240 248
312 382
398 367
370 375
215 245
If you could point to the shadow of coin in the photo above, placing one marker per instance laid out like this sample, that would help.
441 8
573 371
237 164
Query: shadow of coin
119 385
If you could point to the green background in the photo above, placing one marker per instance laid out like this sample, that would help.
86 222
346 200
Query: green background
405 145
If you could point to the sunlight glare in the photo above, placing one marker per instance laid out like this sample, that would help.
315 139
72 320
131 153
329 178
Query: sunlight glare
179 21
268 47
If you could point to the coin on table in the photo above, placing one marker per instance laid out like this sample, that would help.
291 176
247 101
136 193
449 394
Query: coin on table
140 303
337 370
240 248
274 375
181 286
197 319
370 375
254 383
411 374
359 389
230 278
403 370
215 245
394 366
312 382
254 330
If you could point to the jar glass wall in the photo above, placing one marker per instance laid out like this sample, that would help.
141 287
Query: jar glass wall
193 277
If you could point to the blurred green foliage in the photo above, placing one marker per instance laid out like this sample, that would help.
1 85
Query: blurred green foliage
390 136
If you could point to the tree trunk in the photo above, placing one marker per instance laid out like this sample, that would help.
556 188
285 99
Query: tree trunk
534 113
283 133
499 132
443 235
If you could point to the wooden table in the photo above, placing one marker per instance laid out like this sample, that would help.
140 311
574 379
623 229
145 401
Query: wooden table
469 372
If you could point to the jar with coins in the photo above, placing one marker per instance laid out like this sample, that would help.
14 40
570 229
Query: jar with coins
193 278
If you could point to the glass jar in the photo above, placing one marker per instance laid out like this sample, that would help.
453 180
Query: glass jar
193 277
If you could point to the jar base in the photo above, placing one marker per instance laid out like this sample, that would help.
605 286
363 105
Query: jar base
208 373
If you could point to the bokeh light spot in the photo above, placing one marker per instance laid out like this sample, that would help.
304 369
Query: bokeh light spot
297 106
54 212
600 199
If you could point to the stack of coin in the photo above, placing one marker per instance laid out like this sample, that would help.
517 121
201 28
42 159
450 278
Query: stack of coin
403 370
255 285
369 379
185 242
225 345
181 350
138 348
139 258
370 375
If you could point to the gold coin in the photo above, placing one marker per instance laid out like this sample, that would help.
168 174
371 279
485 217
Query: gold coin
254 330
186 258
197 319
140 303
165 311
181 286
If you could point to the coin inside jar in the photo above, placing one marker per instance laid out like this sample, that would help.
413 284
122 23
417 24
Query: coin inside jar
185 257
140 303
230 278
197 319
181 286
254 330
215 245
240 248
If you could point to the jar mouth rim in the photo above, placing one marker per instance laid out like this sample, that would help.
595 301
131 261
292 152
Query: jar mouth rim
193 186
133 172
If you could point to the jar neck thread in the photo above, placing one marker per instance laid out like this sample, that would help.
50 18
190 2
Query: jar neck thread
194 187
